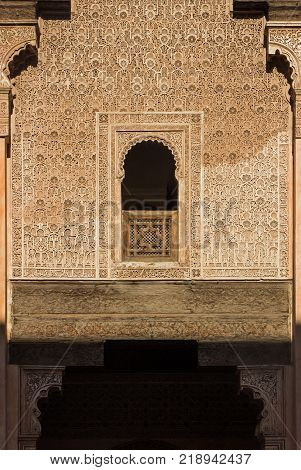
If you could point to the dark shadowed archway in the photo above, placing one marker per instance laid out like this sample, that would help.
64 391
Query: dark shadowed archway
126 405
149 182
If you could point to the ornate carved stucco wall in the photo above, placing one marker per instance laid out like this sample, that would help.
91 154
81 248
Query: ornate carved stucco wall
151 56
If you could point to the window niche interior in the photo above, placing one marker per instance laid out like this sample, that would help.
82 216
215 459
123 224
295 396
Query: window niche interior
149 192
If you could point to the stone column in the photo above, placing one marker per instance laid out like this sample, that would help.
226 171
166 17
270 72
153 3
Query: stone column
4 132
297 342
284 41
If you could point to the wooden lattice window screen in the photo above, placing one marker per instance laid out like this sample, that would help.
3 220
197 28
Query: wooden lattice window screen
150 235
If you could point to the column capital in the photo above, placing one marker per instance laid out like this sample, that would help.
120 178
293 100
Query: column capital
5 85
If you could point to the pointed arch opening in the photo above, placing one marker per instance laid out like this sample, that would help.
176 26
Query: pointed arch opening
150 181
149 194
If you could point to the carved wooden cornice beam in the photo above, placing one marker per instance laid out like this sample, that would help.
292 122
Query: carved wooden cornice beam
29 10
274 10
17 10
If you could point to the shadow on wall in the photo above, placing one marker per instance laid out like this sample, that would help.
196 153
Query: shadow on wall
54 9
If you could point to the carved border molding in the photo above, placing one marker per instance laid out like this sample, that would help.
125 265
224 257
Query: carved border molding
5 107
268 385
35 383
117 133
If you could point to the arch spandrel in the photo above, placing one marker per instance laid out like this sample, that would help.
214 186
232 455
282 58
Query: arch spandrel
285 40
14 40
267 385
293 61
36 383
13 52
144 138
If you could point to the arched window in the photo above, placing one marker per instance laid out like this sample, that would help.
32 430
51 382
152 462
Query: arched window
149 194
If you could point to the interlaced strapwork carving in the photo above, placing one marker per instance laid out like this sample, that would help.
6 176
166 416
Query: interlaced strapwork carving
150 238
150 235
163 56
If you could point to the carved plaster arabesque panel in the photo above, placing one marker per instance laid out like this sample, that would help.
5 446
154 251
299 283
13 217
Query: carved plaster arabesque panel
35 383
258 247
14 39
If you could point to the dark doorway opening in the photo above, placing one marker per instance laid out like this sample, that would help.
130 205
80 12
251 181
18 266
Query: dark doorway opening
151 407
150 182
149 193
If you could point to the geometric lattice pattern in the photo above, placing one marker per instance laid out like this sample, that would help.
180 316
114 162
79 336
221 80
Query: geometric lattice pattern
149 234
